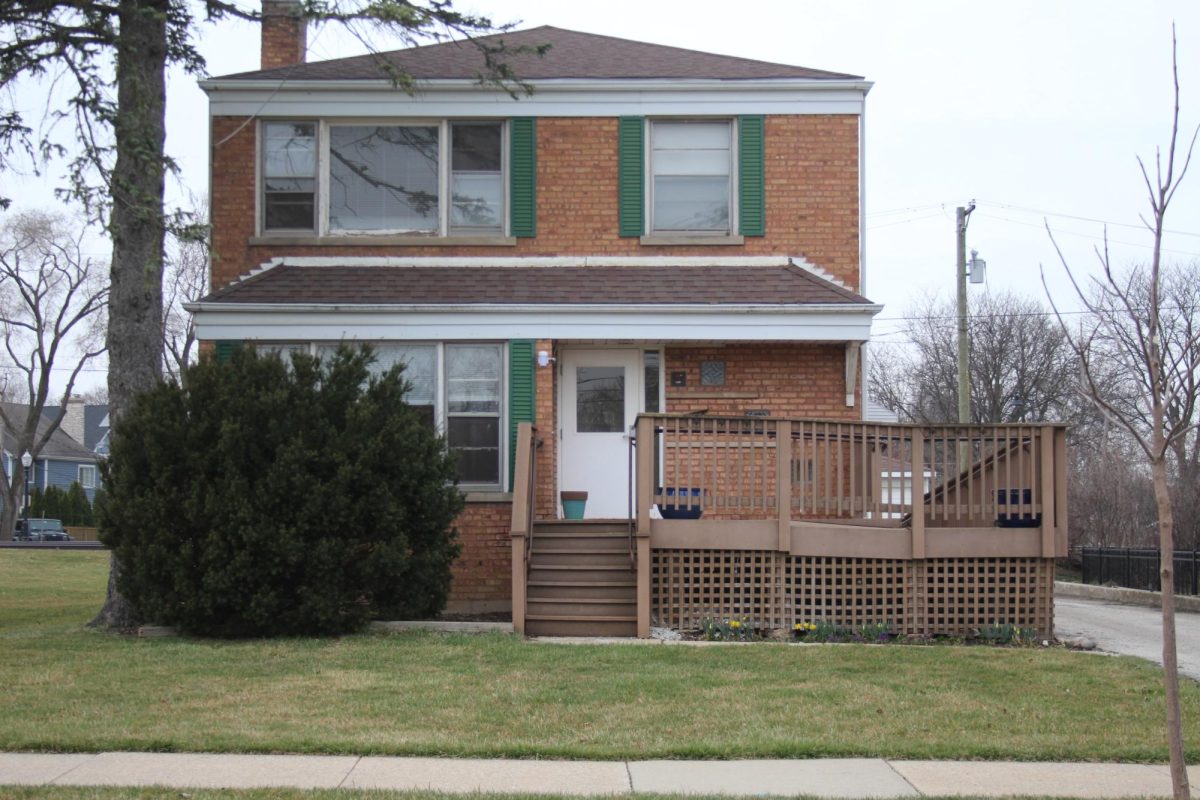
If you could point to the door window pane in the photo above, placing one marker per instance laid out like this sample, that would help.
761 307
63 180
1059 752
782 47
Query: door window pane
600 399
383 177
650 364
476 187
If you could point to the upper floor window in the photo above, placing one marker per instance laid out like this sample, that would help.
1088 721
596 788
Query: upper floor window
425 178
691 165
289 175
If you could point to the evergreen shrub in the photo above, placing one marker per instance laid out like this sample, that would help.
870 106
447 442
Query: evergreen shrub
266 498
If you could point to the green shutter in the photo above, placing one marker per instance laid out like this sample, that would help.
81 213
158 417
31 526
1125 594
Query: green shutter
752 213
631 175
521 394
224 350
522 160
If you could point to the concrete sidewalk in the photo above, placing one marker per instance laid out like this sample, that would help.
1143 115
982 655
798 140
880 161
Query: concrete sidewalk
835 777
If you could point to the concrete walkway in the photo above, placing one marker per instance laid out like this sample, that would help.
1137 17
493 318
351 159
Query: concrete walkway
837 777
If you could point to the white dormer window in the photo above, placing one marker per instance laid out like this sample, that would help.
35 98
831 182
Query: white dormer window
87 476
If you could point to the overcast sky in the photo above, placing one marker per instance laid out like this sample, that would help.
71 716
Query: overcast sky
1036 109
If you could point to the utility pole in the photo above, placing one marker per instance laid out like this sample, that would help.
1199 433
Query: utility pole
964 341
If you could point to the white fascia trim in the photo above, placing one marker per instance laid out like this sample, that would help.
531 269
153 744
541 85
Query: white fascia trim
379 99
313 322
544 85
541 308
534 261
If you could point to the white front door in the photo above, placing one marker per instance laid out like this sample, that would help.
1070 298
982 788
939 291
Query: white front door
601 396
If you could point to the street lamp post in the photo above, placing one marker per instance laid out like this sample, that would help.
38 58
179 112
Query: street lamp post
27 463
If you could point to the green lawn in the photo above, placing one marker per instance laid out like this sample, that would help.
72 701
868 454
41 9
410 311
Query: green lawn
70 689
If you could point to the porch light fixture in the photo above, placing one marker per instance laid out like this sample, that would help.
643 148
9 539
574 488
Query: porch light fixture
26 462
544 358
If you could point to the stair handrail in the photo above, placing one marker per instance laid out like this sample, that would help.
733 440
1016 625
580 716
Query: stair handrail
525 483
523 513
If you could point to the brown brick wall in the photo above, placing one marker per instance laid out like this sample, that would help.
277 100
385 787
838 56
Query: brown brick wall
483 573
811 180
546 413
788 379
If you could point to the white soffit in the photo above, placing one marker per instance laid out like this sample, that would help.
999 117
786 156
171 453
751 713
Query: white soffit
376 99
827 323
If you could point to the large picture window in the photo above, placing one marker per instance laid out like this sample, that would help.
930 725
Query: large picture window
458 389
427 178
690 176
383 178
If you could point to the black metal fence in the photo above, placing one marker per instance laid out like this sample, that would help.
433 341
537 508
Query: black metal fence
1138 568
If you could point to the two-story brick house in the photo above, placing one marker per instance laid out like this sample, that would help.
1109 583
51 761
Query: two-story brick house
653 231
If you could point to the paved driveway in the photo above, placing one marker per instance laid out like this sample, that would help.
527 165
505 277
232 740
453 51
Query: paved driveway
1129 630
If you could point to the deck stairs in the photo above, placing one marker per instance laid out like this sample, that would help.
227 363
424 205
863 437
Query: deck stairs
581 581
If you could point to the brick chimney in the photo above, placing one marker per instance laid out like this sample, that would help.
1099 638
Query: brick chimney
284 34
72 421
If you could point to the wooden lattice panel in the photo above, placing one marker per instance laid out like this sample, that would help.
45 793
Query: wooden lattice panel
958 595
847 591
773 590
776 590
688 585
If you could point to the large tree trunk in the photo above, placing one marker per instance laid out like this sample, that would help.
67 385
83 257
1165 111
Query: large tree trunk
12 498
1166 539
136 227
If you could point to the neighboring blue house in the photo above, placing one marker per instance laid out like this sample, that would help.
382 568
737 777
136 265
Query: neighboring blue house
61 462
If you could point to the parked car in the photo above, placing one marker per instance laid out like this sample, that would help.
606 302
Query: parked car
41 530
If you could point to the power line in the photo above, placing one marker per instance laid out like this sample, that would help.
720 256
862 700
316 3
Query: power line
891 211
1043 212
1087 235
903 221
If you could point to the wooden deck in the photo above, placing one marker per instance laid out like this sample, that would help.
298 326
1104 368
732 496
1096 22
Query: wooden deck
933 529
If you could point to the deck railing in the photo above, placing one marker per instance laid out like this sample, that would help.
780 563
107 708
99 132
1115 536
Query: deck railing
943 476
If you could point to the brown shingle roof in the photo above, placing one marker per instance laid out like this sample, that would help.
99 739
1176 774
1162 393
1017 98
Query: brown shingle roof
60 444
572 54
602 284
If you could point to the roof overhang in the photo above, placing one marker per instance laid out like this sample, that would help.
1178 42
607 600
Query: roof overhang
322 322
551 97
